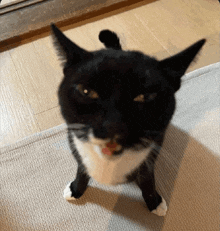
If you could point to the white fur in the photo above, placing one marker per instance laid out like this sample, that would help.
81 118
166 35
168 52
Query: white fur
161 208
67 193
109 170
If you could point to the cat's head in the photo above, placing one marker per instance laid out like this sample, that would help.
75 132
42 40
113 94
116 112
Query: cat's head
118 95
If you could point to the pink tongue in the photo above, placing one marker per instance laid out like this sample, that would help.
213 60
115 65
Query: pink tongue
106 151
110 148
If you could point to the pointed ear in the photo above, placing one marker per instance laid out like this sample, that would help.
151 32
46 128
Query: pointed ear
67 50
175 66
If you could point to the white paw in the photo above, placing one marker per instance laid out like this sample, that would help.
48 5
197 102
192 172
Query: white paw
67 193
161 209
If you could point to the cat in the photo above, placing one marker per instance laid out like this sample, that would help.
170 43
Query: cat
117 105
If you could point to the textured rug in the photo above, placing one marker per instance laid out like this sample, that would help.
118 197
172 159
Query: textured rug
35 171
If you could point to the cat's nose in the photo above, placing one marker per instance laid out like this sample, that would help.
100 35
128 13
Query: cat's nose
106 134
115 130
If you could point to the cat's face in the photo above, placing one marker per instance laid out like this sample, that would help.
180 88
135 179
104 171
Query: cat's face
118 94
115 95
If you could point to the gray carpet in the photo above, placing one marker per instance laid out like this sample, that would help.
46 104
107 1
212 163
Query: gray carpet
35 171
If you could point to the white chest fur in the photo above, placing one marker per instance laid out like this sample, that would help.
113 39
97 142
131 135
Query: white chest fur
110 170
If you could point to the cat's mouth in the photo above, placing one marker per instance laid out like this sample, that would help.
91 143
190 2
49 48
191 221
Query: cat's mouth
114 147
111 148
108 147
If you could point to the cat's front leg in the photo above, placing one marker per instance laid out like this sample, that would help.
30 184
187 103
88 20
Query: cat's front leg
146 182
75 189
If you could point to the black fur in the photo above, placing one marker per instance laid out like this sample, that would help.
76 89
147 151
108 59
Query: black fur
110 39
118 77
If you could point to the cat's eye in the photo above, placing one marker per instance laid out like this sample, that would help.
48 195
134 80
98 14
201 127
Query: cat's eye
142 98
139 98
87 92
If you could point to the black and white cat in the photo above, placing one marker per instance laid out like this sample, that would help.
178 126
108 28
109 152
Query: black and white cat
117 105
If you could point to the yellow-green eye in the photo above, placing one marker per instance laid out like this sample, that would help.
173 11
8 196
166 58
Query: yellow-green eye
87 92
141 98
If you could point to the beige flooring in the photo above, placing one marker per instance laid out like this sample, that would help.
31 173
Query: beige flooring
5 2
30 74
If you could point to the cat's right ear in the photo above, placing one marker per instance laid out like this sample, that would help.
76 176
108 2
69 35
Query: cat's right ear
68 51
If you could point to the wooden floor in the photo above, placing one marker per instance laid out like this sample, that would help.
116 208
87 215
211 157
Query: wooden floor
4 2
30 74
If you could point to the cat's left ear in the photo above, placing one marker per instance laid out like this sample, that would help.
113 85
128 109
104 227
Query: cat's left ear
67 50
175 66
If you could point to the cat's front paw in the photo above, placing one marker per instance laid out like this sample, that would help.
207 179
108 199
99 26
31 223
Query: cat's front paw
67 193
161 209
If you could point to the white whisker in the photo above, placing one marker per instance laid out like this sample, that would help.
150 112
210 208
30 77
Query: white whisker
76 126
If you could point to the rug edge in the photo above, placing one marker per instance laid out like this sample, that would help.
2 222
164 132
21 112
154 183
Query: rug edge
62 128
